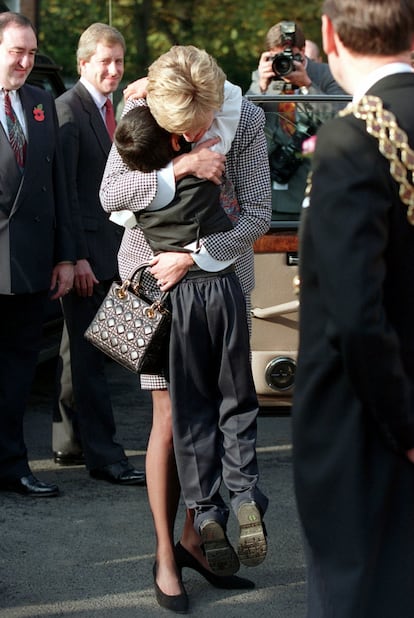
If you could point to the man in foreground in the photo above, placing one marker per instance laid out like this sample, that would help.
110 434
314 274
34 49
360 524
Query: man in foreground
353 414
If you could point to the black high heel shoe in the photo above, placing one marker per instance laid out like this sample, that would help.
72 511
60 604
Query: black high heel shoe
177 603
184 559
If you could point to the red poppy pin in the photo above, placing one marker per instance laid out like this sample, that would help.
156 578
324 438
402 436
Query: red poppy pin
39 113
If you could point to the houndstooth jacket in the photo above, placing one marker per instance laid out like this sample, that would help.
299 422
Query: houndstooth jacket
246 166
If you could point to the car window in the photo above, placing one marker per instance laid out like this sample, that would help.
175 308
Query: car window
43 80
290 120
46 75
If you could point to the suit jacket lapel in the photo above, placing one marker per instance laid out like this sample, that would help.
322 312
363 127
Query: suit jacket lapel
38 136
37 128
95 118
32 138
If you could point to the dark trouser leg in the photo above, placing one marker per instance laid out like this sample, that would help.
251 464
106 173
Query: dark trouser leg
65 432
213 397
20 339
90 384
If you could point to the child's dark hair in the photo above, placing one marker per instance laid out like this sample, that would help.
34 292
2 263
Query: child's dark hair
142 144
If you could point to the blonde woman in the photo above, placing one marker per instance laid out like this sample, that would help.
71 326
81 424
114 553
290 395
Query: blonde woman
185 92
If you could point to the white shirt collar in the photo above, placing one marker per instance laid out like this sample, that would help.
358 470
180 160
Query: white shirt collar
98 97
379 73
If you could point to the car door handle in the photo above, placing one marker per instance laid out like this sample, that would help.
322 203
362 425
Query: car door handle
272 312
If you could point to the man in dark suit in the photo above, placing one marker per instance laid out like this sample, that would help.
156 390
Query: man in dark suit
37 251
86 126
353 412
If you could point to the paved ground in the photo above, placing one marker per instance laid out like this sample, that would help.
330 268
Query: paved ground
89 553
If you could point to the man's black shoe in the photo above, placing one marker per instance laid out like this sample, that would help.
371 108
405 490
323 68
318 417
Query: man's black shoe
120 473
30 486
69 459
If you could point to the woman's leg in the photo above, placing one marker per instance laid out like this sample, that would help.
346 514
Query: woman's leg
163 495
163 490
191 540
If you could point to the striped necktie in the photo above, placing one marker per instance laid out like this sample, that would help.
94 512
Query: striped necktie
110 118
16 135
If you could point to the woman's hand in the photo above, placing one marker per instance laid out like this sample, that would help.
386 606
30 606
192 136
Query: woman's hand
170 267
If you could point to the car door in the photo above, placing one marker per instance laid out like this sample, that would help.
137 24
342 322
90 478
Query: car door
290 120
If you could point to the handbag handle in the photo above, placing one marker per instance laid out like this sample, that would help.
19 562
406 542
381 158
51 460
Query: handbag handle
139 270
135 287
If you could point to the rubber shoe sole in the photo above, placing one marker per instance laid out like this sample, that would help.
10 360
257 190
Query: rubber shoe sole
252 548
219 553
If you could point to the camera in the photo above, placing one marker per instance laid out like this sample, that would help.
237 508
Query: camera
282 64
286 158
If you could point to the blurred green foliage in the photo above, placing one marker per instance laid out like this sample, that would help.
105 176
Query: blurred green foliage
233 32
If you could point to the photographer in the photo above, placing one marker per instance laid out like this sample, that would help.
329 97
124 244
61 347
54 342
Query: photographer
284 69
308 77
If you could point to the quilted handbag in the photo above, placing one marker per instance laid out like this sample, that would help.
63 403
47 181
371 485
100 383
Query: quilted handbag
132 329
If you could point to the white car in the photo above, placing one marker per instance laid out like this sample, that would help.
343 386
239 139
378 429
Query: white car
290 121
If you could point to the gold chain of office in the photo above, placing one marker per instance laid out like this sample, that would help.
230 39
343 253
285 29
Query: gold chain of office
392 142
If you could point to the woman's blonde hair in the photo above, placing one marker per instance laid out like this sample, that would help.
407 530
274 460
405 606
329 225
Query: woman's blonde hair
184 86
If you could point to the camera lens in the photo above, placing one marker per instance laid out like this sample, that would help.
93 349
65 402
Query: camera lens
282 64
